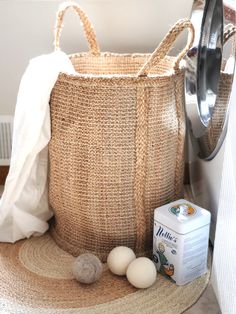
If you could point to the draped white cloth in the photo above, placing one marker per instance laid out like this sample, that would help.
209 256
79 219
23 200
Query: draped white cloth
24 209
224 259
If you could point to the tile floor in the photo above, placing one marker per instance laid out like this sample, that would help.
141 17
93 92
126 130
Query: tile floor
206 304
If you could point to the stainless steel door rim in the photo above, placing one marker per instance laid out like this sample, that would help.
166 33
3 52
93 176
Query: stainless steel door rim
203 73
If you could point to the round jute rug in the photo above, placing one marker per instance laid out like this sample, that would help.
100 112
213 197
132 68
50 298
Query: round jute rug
36 278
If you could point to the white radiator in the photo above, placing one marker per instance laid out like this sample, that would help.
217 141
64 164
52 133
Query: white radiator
6 126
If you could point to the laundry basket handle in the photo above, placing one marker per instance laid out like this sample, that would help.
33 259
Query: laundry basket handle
88 27
167 43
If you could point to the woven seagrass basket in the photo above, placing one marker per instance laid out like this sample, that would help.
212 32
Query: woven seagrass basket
117 145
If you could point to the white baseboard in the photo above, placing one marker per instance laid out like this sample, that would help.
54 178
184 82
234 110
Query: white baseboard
6 127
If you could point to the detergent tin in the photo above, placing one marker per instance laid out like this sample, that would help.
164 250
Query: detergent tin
180 241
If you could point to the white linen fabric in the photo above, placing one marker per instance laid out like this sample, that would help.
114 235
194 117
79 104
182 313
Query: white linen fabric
24 208
224 258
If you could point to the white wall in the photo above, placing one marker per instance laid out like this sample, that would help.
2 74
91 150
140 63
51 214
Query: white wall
26 31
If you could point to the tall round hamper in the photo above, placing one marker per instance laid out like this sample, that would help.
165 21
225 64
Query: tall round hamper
117 146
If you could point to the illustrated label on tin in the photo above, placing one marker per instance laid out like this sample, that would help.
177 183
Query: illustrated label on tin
165 250
180 258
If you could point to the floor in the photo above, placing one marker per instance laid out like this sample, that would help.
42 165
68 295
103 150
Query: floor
206 304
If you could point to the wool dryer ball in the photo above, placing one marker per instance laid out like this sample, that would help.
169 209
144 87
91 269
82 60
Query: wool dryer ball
119 259
87 268
141 273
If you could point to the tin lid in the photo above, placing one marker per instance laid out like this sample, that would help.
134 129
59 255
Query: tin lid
182 216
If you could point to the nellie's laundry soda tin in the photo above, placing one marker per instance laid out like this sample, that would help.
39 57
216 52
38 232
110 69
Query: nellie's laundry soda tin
180 241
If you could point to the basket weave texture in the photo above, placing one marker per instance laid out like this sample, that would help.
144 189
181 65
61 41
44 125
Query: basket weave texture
117 145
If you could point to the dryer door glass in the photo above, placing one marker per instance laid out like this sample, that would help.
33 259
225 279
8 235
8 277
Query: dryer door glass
209 74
